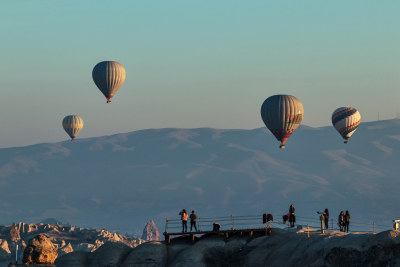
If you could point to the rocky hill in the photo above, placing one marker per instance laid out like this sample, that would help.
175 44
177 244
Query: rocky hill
150 232
281 248
66 239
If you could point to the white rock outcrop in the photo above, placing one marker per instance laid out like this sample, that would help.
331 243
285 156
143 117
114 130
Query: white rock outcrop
150 232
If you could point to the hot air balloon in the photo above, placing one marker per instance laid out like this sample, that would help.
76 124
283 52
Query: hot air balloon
282 114
72 124
109 77
346 121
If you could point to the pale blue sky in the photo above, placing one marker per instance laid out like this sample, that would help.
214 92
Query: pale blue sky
192 63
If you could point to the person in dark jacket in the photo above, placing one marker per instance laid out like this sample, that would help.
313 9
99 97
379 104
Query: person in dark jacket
346 221
292 218
341 221
326 218
193 219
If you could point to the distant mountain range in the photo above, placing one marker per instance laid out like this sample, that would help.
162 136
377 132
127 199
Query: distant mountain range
120 182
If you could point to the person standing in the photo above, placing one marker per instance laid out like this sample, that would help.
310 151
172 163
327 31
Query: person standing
184 217
341 221
346 221
193 219
326 218
292 218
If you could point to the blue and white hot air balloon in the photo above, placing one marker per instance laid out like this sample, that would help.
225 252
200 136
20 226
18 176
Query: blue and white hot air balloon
346 121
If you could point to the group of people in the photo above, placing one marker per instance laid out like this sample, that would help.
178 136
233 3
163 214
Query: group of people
184 218
343 220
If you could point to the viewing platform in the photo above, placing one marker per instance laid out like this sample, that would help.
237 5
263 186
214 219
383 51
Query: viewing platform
226 233
257 225
222 226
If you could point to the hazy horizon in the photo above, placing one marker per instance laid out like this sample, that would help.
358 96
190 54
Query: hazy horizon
192 64
268 134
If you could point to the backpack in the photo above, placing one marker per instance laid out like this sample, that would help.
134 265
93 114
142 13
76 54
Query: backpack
285 218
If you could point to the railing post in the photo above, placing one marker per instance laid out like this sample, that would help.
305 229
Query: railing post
322 218
373 227
233 225
308 231
396 224
199 225
332 224
166 225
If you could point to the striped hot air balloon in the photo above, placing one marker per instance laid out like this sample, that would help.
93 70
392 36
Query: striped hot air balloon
72 124
346 121
282 114
109 77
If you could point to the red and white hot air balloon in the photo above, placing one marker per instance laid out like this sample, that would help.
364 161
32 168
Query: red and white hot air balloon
346 121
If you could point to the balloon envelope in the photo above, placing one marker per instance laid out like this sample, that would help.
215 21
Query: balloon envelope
346 121
72 124
282 114
108 77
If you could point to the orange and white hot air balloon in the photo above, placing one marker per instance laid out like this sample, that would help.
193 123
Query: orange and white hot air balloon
72 124
282 114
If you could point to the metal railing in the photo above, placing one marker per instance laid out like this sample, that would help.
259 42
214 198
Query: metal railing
243 222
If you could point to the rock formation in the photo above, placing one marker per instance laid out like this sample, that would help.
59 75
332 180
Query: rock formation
65 249
40 250
281 248
109 254
51 221
65 238
147 254
150 232
14 233
76 259
5 253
